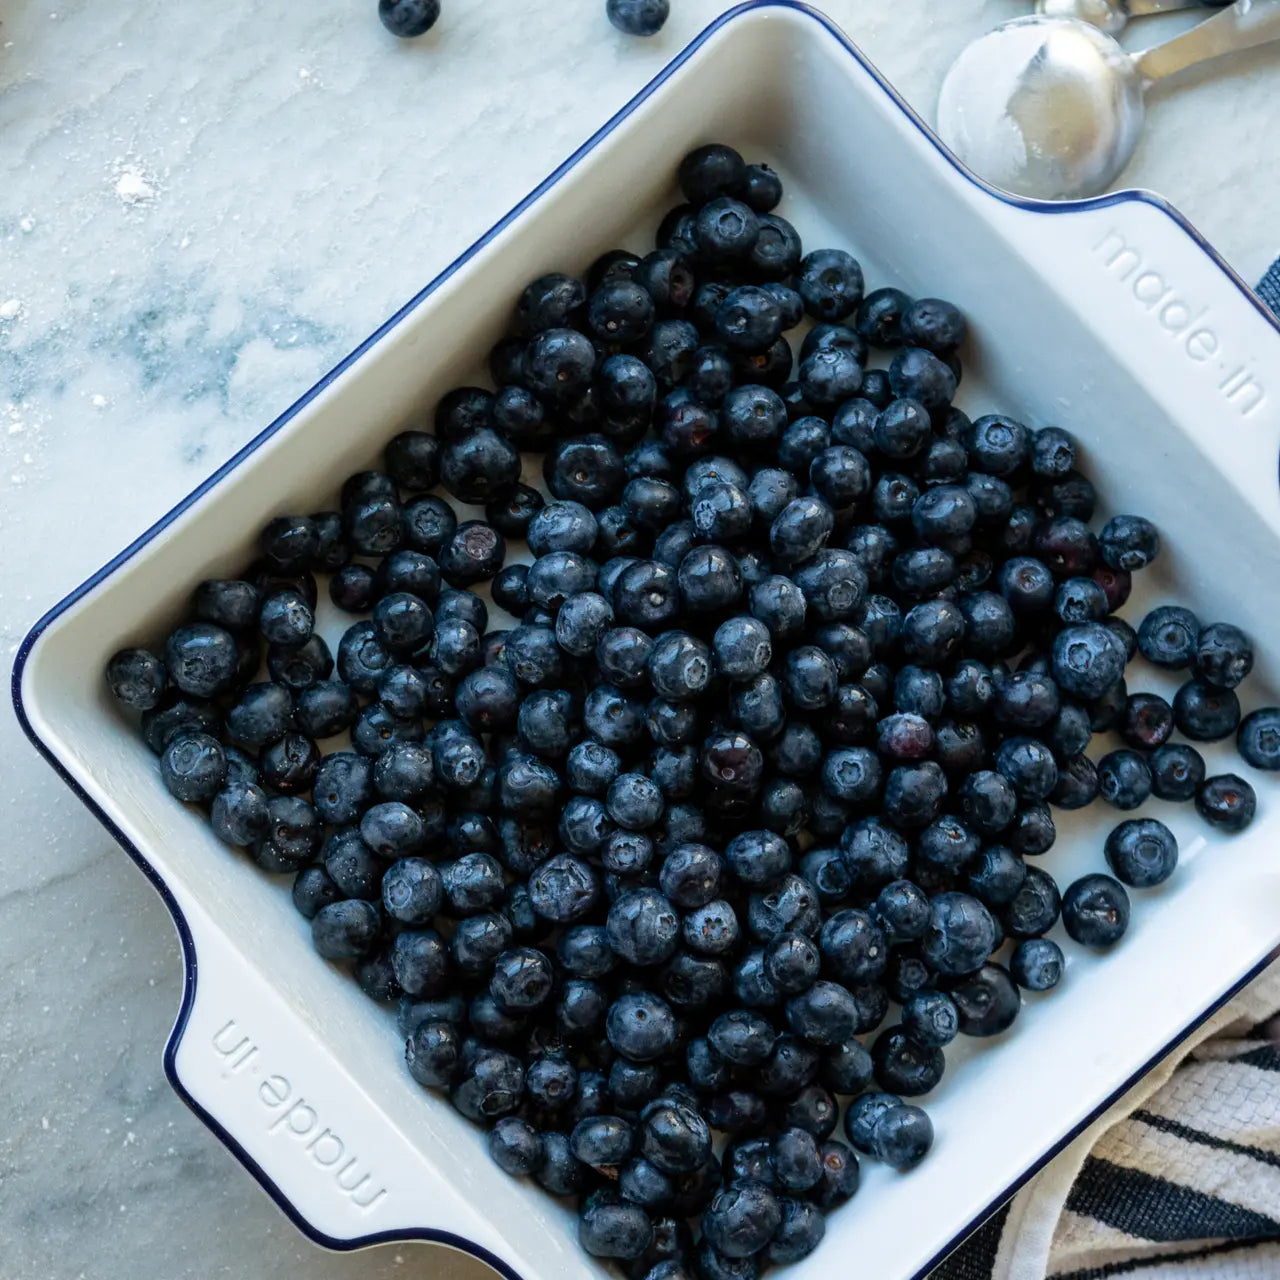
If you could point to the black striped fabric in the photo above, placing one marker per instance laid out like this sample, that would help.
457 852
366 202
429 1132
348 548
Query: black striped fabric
1147 1206
1136 1266
976 1257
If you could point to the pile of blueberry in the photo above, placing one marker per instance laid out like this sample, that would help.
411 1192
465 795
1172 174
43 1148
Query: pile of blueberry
801 662
411 18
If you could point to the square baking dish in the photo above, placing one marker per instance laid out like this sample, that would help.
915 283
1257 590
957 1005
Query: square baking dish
1110 318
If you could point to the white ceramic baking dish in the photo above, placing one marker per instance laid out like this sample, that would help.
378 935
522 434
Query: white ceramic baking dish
1111 318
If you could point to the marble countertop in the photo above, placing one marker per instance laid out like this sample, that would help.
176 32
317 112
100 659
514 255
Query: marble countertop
203 207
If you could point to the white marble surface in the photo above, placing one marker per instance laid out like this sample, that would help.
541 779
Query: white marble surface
202 207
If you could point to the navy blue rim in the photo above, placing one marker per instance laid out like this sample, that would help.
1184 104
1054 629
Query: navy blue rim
189 957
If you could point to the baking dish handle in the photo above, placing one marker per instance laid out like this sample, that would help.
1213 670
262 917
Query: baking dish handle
1198 338
257 1074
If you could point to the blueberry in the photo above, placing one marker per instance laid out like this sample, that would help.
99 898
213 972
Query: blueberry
193 767
906 1066
988 802
892 498
923 571
1095 911
1066 545
1035 908
201 659
1227 802
840 1176
433 1053
1168 637
420 959
1088 660
643 927
489 1086
934 324
641 1027
286 619
1129 543
1204 712
830 281
346 930
758 858
644 1183
795 1161
515 1146
511 508
1177 771
240 814
987 1002
710 171
1258 738
428 525
674 1136
742 1218
726 229
854 947
711 929
775 256
997 875
1124 780
409 18
902 911
1033 831
863 1115
558 1171
343 787
227 602
902 1136
961 934
1148 721
137 678
989 623
263 714
1036 964
932 632
563 889
374 525
874 851
312 889
749 319
830 376
412 891
902 430
998 446
852 774
792 962
880 316
929 1019
609 1227
943 513
825 1014
1223 656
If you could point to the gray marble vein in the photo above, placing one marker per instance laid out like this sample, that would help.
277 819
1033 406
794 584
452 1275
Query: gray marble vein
203 207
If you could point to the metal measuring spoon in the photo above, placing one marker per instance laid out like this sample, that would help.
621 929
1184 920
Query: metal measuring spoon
1053 107
1111 16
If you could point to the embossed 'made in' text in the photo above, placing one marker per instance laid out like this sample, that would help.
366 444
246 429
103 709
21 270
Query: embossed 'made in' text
1188 326
292 1118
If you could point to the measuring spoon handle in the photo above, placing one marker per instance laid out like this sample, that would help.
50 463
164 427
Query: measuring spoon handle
1245 25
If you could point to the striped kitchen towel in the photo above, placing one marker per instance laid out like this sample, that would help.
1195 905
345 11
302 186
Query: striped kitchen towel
1180 1180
